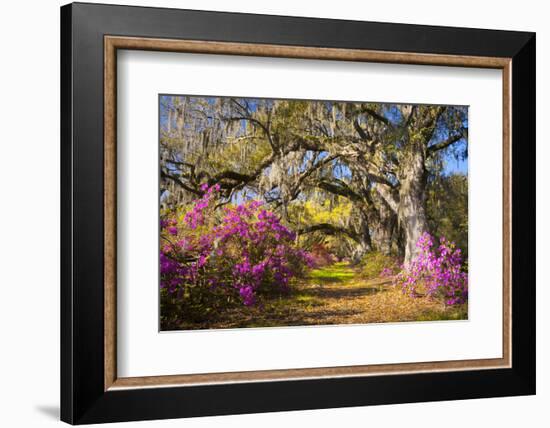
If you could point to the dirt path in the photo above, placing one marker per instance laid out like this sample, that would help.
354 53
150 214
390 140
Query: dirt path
337 294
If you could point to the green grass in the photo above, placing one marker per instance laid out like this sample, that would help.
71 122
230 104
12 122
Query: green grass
338 272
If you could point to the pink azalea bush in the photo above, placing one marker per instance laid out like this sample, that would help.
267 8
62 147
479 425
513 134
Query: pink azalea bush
209 261
438 270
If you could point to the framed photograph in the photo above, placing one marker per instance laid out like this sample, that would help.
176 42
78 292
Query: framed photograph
267 213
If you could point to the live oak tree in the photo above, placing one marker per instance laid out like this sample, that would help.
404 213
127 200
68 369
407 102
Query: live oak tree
404 154
392 149
379 158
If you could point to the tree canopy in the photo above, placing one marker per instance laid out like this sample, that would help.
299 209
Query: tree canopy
356 175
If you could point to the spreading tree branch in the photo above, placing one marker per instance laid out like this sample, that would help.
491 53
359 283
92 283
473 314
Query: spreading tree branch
338 189
329 229
376 116
445 143
180 183
388 195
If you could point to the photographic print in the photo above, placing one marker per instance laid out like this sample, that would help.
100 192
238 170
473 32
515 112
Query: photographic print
281 212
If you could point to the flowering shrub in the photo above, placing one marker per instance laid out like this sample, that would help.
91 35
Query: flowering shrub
439 270
208 261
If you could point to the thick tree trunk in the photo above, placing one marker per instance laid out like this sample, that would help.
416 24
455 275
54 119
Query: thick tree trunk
363 243
383 240
383 228
412 200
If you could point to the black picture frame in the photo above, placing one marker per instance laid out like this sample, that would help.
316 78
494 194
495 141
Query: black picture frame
83 398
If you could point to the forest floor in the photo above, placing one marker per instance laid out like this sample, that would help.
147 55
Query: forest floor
338 294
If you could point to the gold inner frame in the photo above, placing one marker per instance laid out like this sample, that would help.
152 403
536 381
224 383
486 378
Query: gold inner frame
113 43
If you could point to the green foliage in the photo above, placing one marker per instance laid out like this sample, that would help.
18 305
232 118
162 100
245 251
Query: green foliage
375 264
335 211
447 209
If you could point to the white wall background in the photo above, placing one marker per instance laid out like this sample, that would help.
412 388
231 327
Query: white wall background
29 217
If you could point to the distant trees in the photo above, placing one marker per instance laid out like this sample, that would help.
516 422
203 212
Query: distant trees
447 208
384 162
